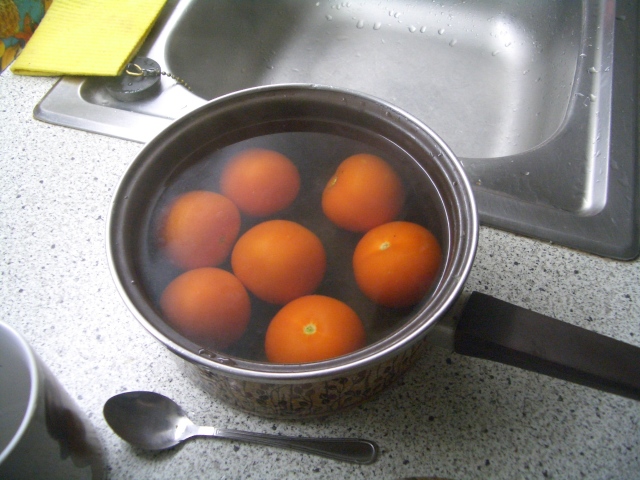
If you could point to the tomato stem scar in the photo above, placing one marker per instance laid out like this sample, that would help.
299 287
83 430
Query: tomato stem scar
309 329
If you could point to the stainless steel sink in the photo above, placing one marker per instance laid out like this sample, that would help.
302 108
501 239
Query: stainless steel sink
538 99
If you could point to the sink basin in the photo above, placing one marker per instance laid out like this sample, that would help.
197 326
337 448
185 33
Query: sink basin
537 99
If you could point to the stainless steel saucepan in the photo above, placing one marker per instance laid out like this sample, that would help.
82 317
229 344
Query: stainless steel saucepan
319 126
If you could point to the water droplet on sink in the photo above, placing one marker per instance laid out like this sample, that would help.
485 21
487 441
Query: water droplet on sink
441 31
377 25
453 42
360 24
495 52
423 29
412 29
329 17
593 70
592 97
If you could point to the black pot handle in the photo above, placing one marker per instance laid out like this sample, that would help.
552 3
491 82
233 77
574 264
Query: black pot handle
495 330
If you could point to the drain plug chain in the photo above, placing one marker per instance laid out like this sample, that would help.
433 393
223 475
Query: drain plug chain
140 80
136 70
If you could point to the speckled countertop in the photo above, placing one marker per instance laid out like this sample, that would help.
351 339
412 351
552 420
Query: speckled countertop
450 416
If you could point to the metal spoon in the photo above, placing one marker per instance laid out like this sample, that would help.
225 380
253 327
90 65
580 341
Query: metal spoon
154 422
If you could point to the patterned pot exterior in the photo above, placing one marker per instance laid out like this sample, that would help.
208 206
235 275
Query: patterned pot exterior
298 400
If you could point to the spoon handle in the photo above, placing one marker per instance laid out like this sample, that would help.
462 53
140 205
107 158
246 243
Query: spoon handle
346 449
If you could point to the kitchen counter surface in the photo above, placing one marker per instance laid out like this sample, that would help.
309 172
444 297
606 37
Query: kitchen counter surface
450 416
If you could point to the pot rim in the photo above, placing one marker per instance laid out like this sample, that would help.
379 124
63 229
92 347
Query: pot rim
459 261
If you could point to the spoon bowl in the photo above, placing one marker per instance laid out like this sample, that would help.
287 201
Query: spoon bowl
152 421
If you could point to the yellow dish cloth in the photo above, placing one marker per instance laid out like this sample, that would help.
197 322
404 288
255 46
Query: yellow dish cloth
87 37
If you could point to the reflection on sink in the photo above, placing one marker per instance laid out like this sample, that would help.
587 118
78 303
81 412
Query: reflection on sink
538 99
